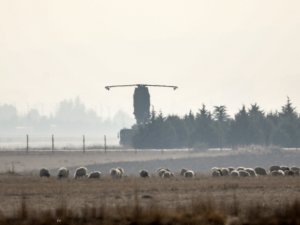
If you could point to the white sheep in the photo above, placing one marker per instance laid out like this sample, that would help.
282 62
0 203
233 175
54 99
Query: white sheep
216 173
44 172
277 173
144 173
95 174
215 169
244 173
284 168
295 168
225 172
81 172
189 173
289 173
251 172
260 171
183 170
115 173
234 173
274 168
167 174
231 169
122 171
161 172
240 168
63 173
159 169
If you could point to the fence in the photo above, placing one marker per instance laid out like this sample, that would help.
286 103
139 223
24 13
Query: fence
53 143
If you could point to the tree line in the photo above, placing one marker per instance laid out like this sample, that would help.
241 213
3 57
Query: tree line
216 129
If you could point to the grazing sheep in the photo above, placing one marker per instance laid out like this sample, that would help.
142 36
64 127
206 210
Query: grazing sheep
215 168
95 175
189 173
63 173
144 173
251 172
167 174
240 168
235 173
274 168
159 169
277 173
115 173
244 173
161 172
295 168
44 172
284 168
182 172
260 171
216 173
122 171
81 172
225 172
231 169
289 173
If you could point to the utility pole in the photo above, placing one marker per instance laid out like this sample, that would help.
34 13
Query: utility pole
105 143
83 144
52 139
27 143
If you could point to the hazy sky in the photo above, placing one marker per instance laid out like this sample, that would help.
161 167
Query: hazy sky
218 53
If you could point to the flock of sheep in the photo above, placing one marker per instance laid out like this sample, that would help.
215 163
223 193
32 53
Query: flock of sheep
82 172
257 171
167 173
114 173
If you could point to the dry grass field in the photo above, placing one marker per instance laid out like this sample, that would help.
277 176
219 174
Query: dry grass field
133 200
25 198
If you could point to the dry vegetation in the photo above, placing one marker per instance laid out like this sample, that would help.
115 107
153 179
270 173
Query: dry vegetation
132 200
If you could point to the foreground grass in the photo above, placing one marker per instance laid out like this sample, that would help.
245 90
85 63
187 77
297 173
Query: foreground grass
132 200
198 212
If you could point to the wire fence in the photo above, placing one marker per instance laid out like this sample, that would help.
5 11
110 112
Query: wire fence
56 142
34 143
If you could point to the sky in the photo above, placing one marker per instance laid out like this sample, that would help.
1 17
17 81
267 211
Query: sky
229 53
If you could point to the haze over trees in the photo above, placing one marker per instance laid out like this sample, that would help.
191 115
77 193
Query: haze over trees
71 118
205 129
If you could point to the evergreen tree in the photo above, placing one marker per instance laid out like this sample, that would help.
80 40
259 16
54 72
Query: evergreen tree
239 130
181 132
287 133
189 121
247 127
204 134
257 125
271 122
221 124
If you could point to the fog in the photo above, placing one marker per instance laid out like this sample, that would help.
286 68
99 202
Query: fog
71 119
218 53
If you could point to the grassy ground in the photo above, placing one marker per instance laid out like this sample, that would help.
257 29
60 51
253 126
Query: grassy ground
133 200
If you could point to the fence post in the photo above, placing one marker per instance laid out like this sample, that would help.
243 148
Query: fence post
52 139
105 143
27 143
83 144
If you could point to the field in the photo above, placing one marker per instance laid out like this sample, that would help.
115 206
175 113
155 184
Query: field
28 199
179 199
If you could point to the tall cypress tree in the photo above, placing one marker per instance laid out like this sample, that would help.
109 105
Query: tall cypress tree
141 104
